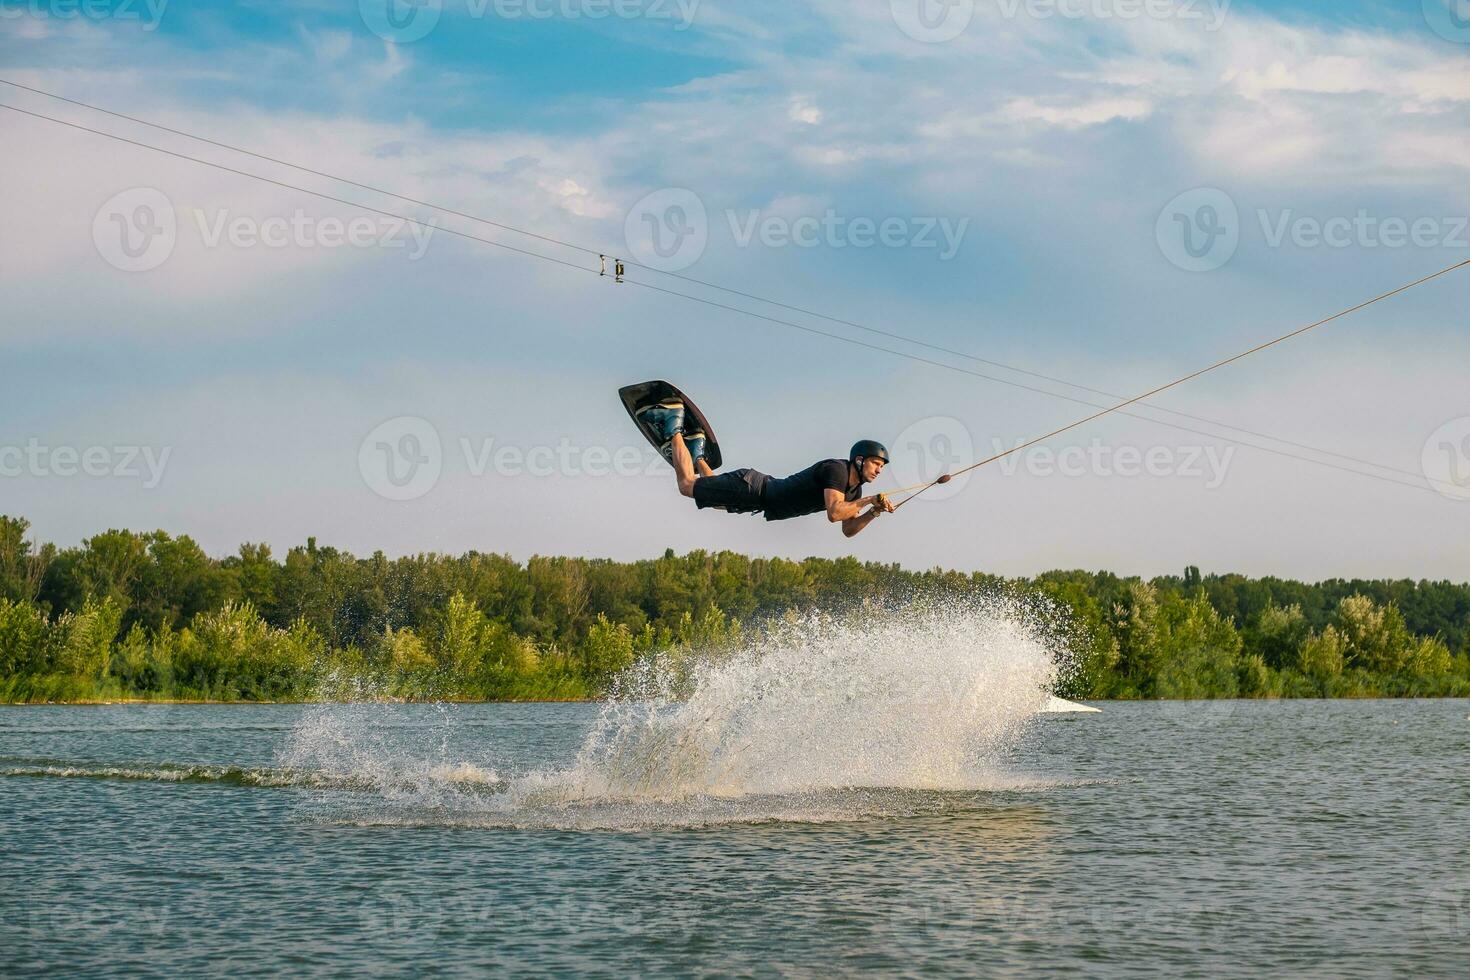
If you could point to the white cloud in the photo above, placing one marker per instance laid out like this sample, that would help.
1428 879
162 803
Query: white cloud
576 199
802 112
1075 115
64 176
328 46
394 63
30 28
1008 125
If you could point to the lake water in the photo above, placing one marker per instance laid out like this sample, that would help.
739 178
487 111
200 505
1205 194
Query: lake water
1325 838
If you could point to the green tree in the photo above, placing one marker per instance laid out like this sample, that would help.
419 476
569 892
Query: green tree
1323 655
607 649
23 634
22 566
110 563
1090 641
1375 638
177 582
1278 634
1429 657
1140 629
256 575
80 643
1253 675
1199 649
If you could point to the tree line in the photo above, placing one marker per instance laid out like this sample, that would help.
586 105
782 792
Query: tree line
151 616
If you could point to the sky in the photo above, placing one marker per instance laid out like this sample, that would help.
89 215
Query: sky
948 225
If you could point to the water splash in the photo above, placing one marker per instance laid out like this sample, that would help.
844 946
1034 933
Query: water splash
348 745
386 781
924 697
816 718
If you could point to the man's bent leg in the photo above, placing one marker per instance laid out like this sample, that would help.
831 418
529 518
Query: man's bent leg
684 466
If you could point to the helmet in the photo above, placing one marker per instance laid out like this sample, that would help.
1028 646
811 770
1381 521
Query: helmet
867 448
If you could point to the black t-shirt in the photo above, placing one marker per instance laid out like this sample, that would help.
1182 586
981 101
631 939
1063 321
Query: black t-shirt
806 492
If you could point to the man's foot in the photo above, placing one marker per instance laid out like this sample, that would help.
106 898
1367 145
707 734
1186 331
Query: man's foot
665 418
693 441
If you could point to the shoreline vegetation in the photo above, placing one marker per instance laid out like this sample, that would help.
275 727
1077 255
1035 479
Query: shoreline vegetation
149 617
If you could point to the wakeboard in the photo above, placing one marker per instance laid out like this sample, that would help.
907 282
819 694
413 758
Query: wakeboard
651 393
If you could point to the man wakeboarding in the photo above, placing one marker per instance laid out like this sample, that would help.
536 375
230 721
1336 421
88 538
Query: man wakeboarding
831 485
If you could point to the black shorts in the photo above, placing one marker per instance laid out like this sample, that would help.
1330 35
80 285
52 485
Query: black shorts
738 491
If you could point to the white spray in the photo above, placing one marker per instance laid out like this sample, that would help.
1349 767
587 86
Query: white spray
924 696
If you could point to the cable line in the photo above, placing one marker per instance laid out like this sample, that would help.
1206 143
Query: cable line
1191 376
304 190
716 286
1105 410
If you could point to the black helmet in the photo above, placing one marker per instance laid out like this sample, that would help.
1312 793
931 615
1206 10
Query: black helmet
867 448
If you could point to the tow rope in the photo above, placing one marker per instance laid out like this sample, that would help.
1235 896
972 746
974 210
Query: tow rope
921 487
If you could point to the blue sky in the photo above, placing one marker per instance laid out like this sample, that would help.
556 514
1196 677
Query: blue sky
1061 150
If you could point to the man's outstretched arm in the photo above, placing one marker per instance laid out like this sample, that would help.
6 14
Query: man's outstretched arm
850 512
